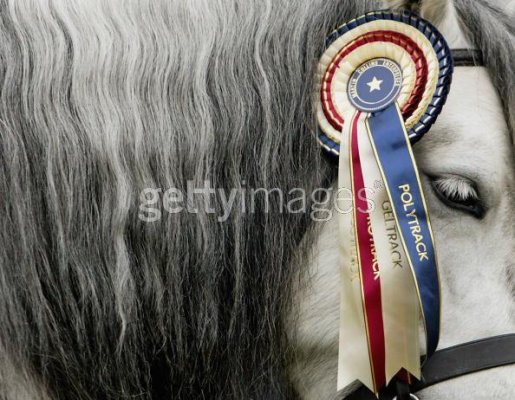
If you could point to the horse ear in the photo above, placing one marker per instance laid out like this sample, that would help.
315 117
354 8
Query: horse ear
432 10
412 5
441 13
435 10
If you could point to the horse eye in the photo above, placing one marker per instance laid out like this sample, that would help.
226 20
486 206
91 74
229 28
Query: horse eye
459 193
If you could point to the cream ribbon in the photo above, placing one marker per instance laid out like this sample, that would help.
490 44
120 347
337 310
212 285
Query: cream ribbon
353 356
400 305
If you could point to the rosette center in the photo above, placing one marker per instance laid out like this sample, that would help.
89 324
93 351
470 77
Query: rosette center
375 85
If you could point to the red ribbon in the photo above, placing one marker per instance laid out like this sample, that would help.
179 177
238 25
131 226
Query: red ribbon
368 265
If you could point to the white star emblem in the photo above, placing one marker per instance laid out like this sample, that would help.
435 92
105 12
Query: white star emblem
374 84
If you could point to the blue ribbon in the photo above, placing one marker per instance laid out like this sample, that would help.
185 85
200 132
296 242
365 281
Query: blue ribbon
393 152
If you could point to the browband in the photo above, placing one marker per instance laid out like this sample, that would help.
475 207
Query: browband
467 58
450 363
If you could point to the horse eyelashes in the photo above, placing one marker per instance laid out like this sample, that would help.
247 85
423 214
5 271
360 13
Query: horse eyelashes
459 193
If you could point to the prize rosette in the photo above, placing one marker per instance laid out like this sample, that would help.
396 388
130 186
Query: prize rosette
382 81
409 45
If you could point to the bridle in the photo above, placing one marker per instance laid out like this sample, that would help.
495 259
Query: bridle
450 363
462 359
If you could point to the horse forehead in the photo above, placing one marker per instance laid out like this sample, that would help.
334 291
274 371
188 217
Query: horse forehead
471 130
474 110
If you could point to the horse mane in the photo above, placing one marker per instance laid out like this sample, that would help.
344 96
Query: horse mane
104 103
102 100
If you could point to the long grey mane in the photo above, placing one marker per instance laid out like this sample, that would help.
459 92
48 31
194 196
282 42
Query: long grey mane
100 100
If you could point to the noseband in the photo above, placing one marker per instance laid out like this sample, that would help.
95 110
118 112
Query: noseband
463 359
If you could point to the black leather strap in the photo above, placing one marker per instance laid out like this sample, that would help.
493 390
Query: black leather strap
451 363
467 58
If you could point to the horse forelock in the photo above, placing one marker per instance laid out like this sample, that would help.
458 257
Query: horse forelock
492 30
488 26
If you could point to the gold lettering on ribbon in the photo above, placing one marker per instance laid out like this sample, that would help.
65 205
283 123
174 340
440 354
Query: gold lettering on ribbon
391 234
375 263
411 213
